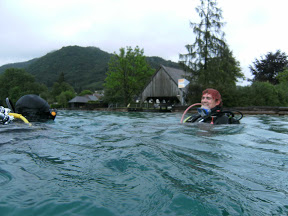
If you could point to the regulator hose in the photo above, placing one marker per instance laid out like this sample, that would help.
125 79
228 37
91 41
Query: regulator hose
196 104
19 116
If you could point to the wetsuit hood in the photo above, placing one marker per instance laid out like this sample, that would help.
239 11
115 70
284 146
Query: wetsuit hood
34 108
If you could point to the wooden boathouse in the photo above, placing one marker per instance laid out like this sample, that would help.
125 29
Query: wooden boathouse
164 86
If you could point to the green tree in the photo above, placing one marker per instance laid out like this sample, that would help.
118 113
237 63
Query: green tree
127 75
282 87
282 77
264 94
282 90
209 37
58 88
61 78
241 97
64 97
209 59
17 82
269 67
85 92
260 94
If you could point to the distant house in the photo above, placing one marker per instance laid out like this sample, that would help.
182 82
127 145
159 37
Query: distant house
81 101
164 86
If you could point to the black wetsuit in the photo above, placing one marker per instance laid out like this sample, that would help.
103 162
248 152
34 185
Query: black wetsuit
217 116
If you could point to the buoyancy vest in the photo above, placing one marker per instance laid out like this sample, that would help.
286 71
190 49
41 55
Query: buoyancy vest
216 116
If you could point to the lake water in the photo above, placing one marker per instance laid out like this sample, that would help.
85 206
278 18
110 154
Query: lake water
114 163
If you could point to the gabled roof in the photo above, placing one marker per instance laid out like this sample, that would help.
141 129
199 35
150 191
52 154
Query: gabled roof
174 73
92 97
164 84
83 99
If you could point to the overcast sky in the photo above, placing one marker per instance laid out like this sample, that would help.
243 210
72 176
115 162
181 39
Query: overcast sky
32 28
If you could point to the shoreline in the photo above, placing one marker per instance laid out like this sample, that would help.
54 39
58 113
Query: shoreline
257 110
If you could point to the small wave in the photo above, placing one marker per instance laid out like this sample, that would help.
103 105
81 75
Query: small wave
5 177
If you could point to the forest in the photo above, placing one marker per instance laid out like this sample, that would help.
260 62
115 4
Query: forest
268 88
62 74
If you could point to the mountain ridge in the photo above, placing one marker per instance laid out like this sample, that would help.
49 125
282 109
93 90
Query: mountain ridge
83 67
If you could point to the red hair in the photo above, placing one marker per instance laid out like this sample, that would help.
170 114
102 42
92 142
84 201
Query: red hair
214 93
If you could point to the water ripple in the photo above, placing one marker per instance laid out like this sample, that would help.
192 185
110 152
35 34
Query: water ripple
5 177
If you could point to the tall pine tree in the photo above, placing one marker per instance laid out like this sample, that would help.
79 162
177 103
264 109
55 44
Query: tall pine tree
209 59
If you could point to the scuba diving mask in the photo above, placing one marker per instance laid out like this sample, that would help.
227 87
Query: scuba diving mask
203 111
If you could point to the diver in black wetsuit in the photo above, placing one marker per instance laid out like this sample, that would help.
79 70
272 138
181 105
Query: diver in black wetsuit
211 110
35 108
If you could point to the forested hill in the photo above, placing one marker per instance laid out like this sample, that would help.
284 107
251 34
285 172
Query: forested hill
83 67
17 65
